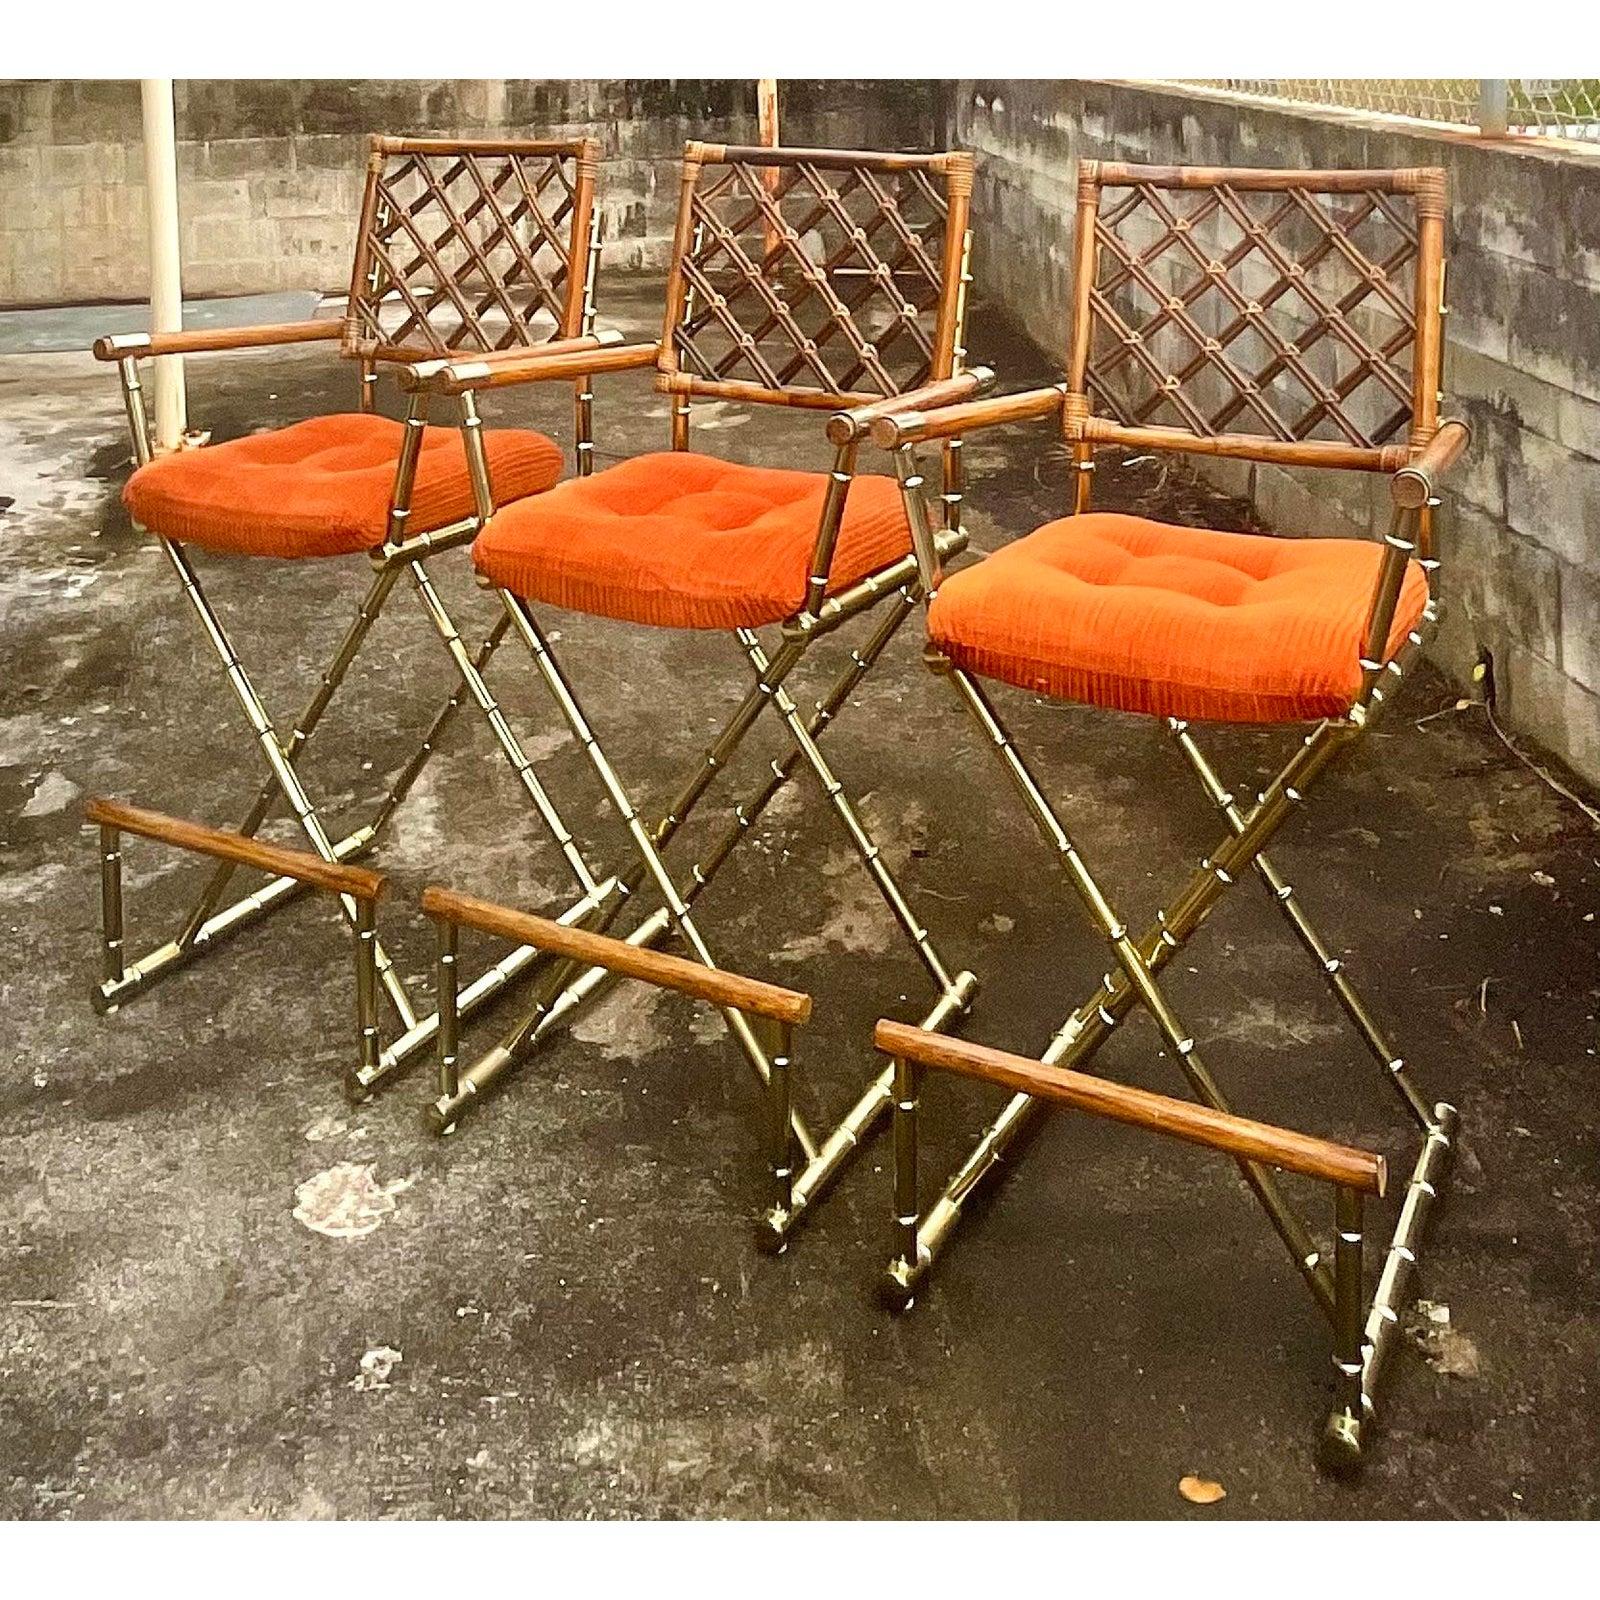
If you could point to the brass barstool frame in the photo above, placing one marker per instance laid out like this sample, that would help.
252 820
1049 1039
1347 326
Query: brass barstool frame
1415 469
513 290
685 370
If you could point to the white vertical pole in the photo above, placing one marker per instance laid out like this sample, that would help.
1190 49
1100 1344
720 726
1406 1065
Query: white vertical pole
166 267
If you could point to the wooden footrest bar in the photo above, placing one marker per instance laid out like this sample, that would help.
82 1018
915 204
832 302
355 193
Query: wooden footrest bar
360 883
1179 1119
772 1013
711 984
359 887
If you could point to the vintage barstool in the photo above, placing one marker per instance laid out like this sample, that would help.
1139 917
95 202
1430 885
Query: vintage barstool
809 279
1284 317
463 247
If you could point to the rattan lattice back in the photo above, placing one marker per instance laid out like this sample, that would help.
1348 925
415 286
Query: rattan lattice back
815 277
1279 305
471 245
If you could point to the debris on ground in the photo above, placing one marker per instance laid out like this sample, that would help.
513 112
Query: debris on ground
376 1365
1443 1347
346 1201
1201 1491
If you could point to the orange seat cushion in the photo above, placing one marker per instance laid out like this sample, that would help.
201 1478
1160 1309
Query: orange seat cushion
681 540
322 488
1139 616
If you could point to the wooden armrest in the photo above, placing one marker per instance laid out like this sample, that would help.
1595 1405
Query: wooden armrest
1241 446
1178 1119
426 370
911 427
616 955
574 358
359 882
122 346
850 426
1415 484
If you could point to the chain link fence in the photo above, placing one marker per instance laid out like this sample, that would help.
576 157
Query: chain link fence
1559 108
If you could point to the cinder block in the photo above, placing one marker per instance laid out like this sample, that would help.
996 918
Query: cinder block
214 199
342 151
1580 625
248 158
1578 426
1539 702
1236 478
38 272
1553 496
84 205
225 239
1306 504
21 165
84 163
1555 331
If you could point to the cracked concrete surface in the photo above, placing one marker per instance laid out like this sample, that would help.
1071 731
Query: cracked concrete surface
585 1327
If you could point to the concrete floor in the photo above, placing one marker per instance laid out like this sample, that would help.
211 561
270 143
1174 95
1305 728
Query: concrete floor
583 1327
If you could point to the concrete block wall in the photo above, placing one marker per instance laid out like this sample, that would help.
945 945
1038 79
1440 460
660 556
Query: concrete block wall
271 171
1520 542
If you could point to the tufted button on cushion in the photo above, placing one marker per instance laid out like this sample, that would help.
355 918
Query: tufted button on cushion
322 488
1134 615
681 540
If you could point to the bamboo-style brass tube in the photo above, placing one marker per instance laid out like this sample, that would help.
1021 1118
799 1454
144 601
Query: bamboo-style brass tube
783 769
816 1177
550 1009
268 796
489 983
501 728
774 1223
1397 553
865 846
1093 1021
111 903
449 1032
405 471
287 779
907 1206
583 389
1400 1264
839 608
1329 965
477 455
133 404
413 769
839 480
547 1012
523 621
446 1112
171 957
923 542
955 482
1341 1440
366 994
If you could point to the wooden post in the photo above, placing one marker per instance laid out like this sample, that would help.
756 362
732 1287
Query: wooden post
767 120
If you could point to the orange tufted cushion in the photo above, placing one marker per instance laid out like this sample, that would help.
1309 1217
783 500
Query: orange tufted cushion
681 540
1133 615
321 488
